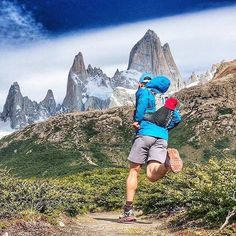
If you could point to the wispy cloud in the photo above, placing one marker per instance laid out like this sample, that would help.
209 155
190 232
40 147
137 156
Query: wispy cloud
196 40
17 24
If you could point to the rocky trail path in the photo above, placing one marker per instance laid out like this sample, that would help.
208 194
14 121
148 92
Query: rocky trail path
105 224
93 224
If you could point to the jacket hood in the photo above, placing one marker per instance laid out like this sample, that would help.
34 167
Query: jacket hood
159 84
145 75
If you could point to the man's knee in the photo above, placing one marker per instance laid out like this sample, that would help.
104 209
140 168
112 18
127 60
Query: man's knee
135 167
153 177
154 171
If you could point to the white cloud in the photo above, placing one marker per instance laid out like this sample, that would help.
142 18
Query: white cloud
17 24
196 40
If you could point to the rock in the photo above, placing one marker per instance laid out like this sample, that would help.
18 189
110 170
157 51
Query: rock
122 97
96 103
90 88
48 106
75 85
148 55
213 103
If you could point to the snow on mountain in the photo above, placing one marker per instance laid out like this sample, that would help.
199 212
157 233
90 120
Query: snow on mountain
202 78
126 79
98 87
122 96
5 128
90 88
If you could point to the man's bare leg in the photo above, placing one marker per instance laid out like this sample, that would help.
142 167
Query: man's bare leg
131 187
132 181
156 171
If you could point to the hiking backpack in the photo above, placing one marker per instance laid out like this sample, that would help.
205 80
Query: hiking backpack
162 117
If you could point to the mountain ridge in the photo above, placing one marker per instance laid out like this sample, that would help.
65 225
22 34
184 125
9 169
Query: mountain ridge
91 88
104 137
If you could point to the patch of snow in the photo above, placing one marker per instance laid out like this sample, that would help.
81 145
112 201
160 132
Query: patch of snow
129 91
18 107
84 99
76 79
131 74
122 96
192 84
5 128
97 87
115 101
41 118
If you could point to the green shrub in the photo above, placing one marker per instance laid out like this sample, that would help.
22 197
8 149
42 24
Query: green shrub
203 191
225 110
222 143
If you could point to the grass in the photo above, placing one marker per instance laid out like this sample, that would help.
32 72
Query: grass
27 159
202 193
182 134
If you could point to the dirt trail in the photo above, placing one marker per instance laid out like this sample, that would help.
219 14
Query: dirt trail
105 224
94 224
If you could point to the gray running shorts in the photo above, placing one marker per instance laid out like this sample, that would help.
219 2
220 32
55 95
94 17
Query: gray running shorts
146 148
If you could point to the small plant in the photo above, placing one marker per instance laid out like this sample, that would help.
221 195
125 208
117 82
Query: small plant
222 143
225 110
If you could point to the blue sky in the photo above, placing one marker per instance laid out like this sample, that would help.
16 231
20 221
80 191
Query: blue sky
59 16
39 39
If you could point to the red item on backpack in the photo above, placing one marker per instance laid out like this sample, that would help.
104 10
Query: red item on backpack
171 103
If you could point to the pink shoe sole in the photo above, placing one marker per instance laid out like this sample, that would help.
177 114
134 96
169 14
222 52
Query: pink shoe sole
175 162
127 220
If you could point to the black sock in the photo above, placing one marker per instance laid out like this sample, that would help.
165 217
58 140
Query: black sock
128 205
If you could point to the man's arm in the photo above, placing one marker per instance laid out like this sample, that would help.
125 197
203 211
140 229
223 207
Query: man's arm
141 105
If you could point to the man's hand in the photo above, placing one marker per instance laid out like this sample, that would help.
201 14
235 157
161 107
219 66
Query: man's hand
136 125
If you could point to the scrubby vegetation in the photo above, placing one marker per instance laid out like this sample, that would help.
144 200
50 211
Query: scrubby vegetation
201 194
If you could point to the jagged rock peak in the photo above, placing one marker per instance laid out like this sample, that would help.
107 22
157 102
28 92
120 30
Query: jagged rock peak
48 105
225 69
78 66
151 34
13 106
89 69
166 47
193 77
14 91
148 55
15 88
96 71
117 72
77 79
49 96
145 54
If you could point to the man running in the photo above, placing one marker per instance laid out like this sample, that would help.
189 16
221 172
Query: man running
150 144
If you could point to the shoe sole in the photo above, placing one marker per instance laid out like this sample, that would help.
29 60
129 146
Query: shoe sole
176 164
127 220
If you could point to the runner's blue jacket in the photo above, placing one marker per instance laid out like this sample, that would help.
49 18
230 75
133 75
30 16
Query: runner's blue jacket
146 103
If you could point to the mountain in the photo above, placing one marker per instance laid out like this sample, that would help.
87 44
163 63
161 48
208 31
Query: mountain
77 141
89 89
86 139
209 110
202 78
92 89
86 88
75 85
21 111
148 55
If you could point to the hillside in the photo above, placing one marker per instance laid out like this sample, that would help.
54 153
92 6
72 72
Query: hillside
69 143
69 154
74 142
209 114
